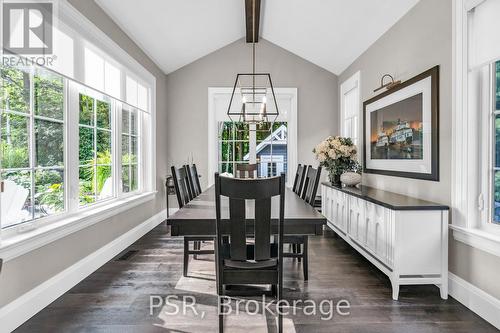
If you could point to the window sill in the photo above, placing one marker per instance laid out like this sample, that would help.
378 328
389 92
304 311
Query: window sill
22 243
478 238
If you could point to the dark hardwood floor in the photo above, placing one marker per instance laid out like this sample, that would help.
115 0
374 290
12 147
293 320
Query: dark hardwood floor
116 298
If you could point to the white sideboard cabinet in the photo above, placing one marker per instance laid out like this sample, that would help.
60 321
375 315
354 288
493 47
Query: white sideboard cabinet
406 238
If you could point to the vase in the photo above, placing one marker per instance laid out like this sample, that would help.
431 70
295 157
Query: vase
350 178
334 179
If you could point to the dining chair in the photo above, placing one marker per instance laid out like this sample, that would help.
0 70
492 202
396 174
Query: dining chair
240 261
246 170
299 178
181 189
300 243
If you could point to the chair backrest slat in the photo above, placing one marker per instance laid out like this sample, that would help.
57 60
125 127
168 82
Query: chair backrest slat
311 185
196 178
189 182
238 229
238 191
181 185
194 182
246 170
299 178
262 229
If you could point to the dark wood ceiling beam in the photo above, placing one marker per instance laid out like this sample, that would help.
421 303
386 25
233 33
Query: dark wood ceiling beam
249 19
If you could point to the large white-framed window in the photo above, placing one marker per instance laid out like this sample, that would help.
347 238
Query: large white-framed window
50 124
349 108
77 136
476 125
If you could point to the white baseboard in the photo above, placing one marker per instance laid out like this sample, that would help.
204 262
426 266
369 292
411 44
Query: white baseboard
21 309
477 300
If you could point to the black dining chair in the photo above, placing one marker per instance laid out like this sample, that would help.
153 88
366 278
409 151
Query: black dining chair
181 184
240 261
300 243
300 175
246 170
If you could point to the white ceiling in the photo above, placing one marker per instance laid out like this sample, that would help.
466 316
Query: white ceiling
329 33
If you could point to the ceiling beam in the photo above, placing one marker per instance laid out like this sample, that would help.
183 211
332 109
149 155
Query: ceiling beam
250 18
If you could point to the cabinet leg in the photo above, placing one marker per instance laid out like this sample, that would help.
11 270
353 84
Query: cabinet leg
443 290
395 291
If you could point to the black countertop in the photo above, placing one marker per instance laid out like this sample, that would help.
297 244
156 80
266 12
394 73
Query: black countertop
387 199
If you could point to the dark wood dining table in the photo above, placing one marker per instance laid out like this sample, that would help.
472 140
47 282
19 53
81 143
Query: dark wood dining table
197 218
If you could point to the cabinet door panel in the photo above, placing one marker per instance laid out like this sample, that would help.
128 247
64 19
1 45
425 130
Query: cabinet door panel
356 216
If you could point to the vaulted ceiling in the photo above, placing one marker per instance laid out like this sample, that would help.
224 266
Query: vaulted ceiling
328 33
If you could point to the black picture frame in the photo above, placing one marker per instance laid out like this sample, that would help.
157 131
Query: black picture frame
433 73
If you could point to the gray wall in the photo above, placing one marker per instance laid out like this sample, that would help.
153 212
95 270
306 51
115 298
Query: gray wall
26 272
187 98
419 41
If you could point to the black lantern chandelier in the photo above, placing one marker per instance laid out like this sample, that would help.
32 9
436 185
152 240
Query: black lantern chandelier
253 99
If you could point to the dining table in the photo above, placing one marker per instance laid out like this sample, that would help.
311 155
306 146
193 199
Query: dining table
197 218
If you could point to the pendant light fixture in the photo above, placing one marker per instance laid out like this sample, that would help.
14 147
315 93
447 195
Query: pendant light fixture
253 99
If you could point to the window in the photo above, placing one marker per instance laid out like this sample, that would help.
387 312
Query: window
95 150
130 153
268 140
61 135
34 108
476 125
32 144
496 141
349 113
234 144
272 148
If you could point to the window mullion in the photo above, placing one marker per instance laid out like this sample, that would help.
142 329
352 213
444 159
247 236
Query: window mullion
116 148
72 113
32 142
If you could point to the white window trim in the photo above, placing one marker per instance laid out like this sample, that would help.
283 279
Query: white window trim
354 82
218 92
19 244
21 239
468 225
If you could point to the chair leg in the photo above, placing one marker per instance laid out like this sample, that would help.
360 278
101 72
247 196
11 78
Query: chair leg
221 320
306 258
186 257
280 312
196 246
299 250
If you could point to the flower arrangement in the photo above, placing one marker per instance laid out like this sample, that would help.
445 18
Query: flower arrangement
337 155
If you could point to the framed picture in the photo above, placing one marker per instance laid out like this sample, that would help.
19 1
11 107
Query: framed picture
401 129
